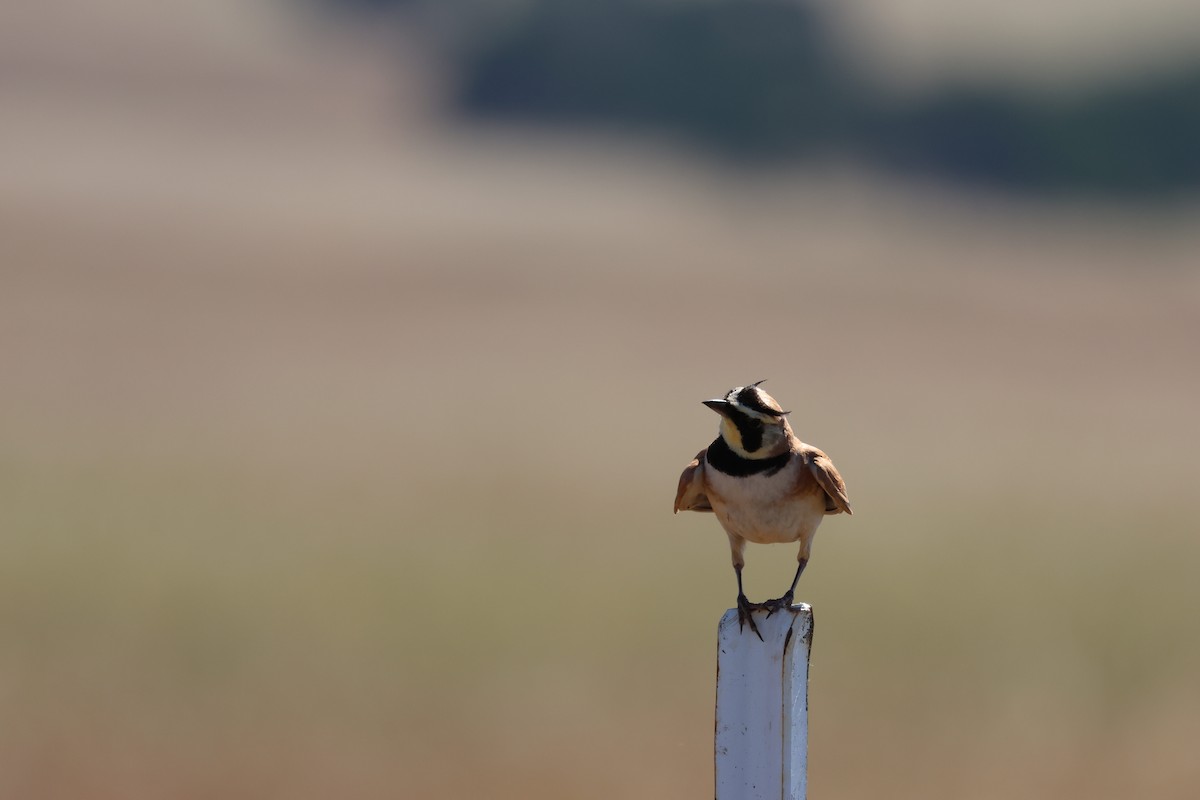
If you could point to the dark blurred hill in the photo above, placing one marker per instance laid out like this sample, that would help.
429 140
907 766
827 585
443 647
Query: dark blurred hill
758 79
1135 139
768 80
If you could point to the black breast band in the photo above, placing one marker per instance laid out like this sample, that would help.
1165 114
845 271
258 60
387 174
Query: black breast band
722 458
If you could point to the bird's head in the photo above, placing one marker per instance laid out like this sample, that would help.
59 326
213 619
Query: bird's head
752 423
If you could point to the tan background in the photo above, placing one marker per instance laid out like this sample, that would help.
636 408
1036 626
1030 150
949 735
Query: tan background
338 440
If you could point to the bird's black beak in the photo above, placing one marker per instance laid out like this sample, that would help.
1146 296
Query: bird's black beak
719 406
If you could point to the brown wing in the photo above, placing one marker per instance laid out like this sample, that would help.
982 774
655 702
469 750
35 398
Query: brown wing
690 495
827 475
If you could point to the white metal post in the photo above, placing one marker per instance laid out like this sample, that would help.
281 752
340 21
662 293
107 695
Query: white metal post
762 706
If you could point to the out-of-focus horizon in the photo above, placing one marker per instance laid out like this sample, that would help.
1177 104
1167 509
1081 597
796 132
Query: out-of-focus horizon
760 81
341 424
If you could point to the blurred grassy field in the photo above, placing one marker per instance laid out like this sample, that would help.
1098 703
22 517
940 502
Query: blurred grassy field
337 449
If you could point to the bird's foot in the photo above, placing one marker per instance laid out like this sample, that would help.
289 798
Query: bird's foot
778 603
745 615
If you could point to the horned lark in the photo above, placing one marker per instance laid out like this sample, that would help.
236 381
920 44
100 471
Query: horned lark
763 483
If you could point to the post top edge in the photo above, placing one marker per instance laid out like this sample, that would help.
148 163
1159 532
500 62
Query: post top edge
798 617
796 610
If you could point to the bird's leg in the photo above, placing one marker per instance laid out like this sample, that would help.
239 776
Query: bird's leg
744 606
786 601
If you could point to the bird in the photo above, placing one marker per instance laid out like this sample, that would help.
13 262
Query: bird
763 484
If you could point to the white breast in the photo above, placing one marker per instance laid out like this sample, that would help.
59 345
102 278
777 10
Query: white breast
763 508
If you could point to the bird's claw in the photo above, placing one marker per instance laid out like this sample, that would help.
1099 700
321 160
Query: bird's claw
777 604
745 614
